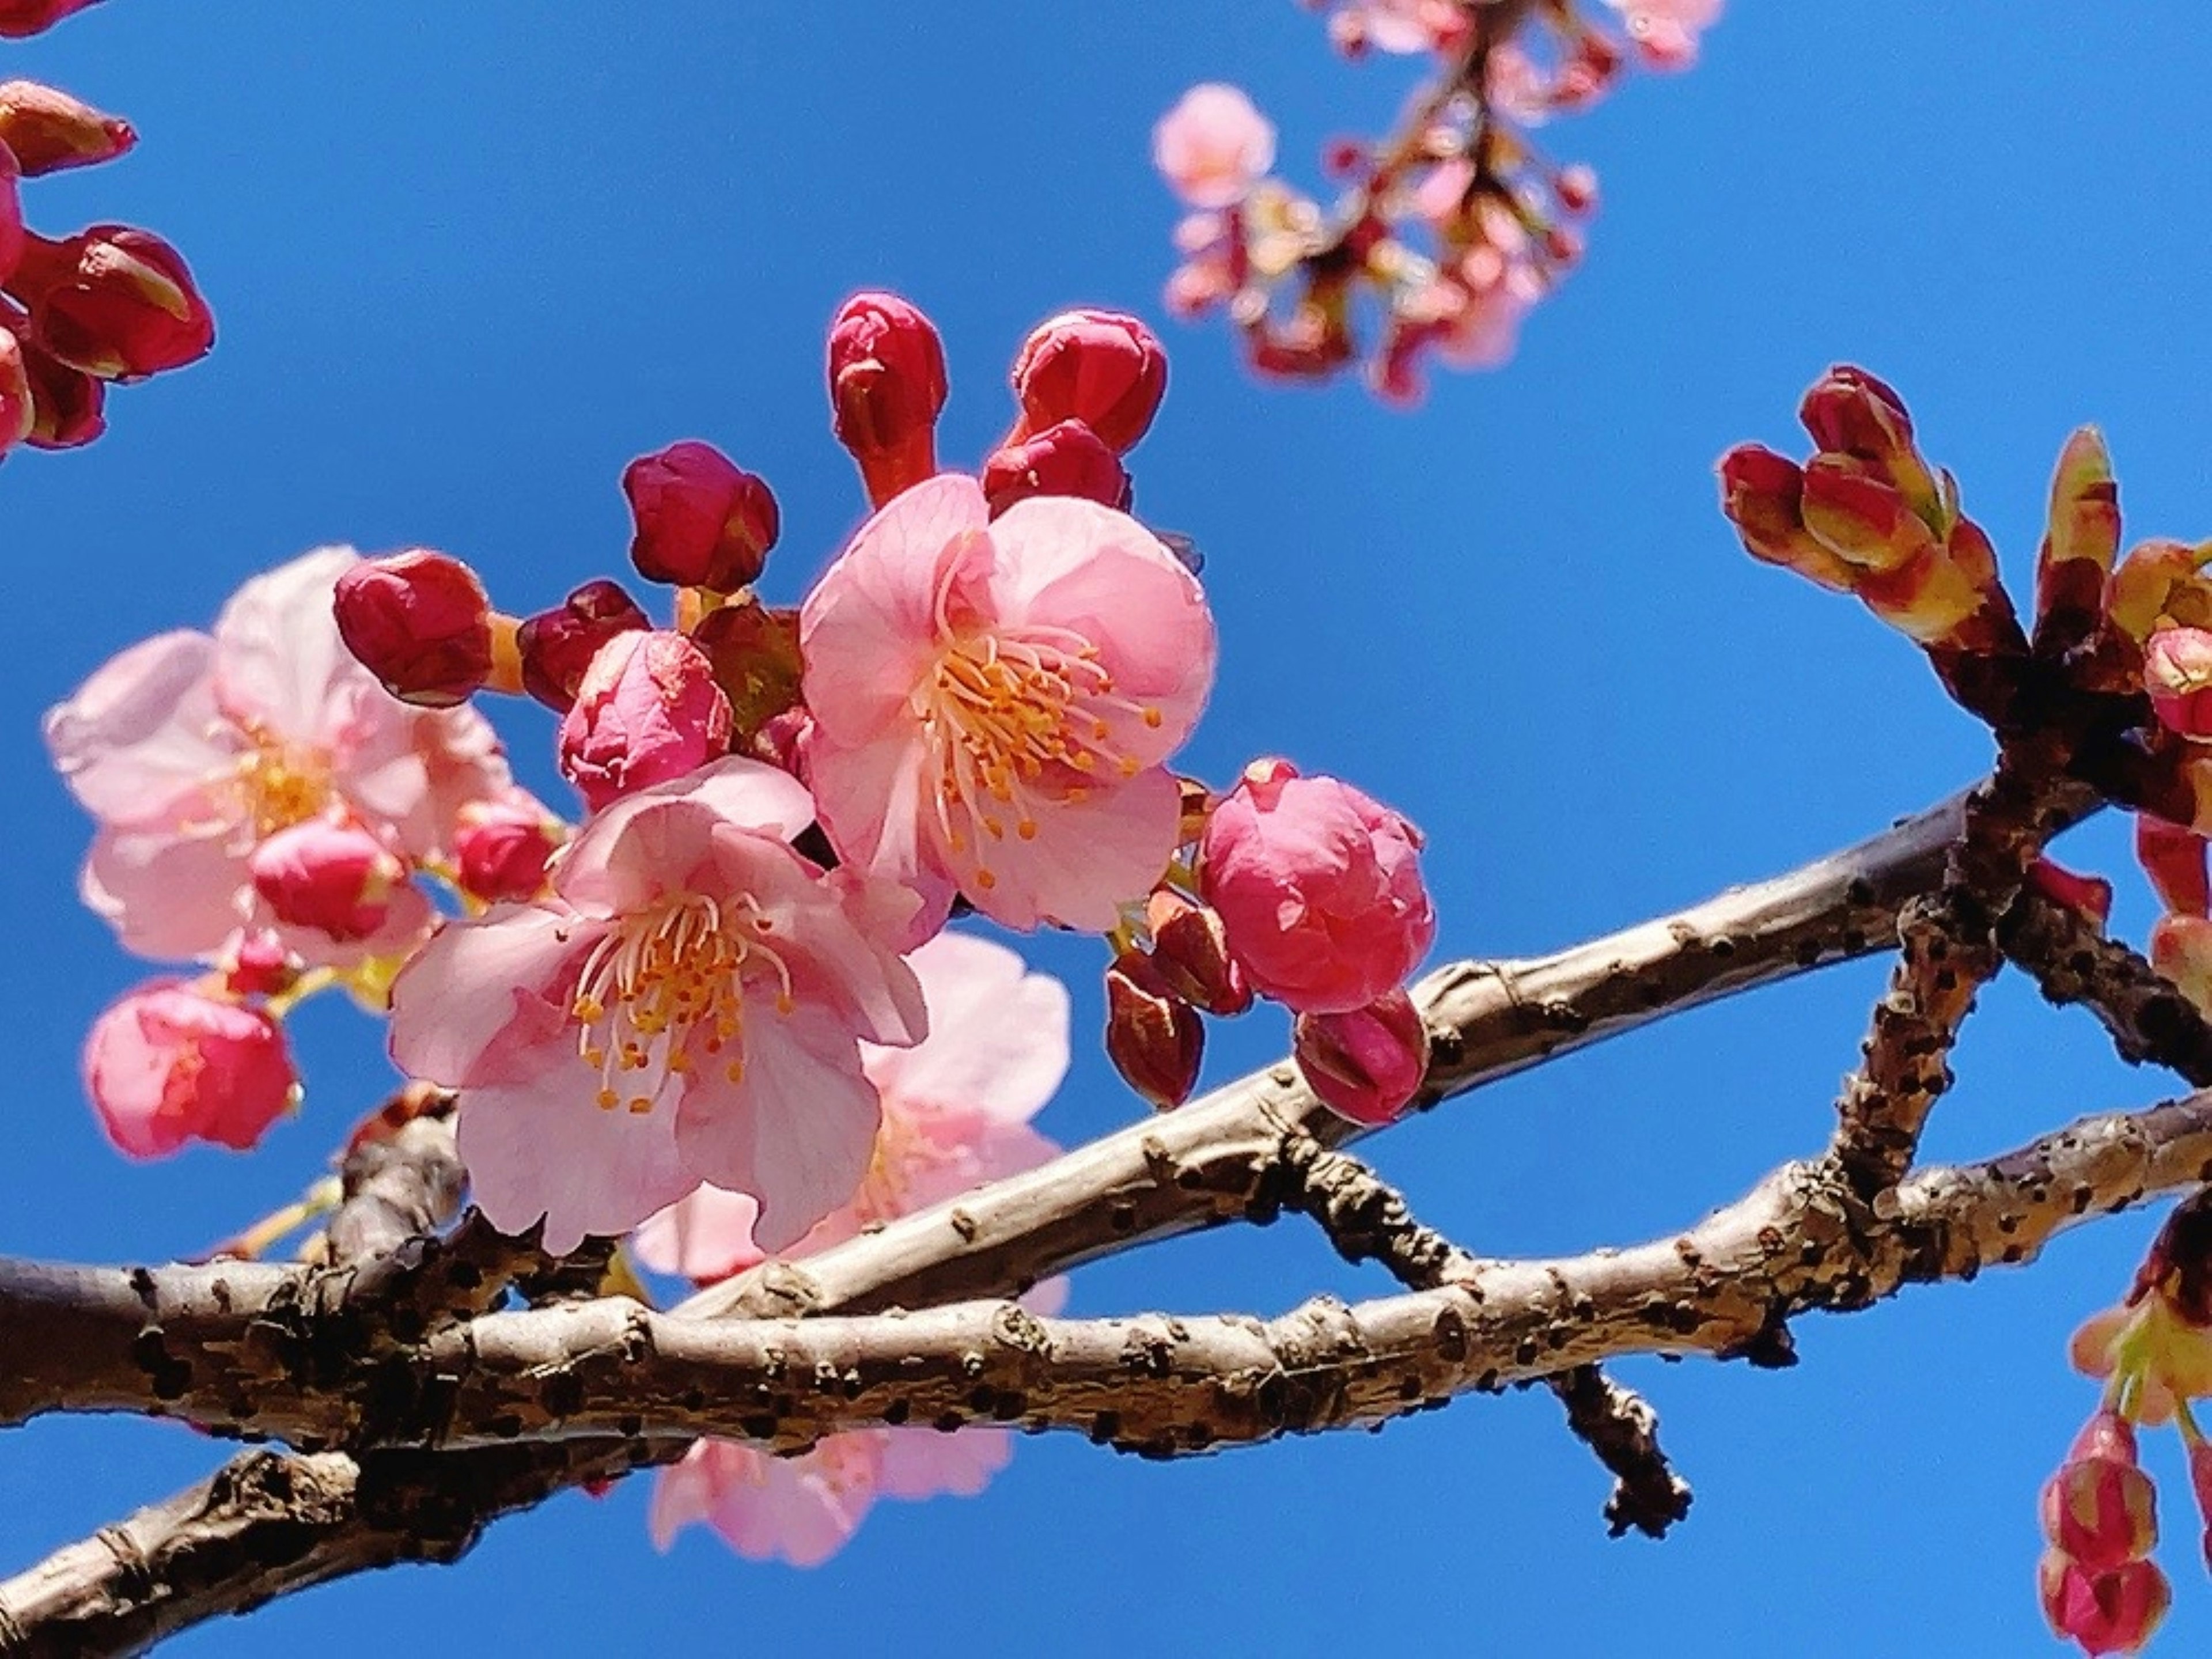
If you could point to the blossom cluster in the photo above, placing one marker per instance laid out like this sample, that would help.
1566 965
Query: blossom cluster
1452 228
110 304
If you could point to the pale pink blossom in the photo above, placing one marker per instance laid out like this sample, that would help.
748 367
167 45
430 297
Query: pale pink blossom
1213 146
190 749
956 1111
685 1005
647 711
1398 26
1666 31
993 701
167 1064
1319 887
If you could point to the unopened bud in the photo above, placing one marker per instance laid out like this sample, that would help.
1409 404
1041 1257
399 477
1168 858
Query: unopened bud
1190 948
755 651
22 18
1104 368
700 520
48 129
167 1063
16 414
1861 516
14 239
2173 859
333 877
557 645
259 965
1366 1066
2114 1611
887 385
1154 1037
1763 494
2100 1507
501 848
2177 674
1065 459
647 711
2181 949
420 622
2089 895
1850 412
114 301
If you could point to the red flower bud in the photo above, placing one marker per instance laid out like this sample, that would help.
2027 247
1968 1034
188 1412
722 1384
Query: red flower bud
115 302
2115 1611
2175 859
501 848
420 622
2092 896
167 1064
557 645
1190 947
1366 1066
1861 516
887 387
333 877
700 521
648 710
20 18
1851 412
1067 460
48 129
68 406
16 414
2177 674
1763 494
1101 367
1154 1037
2100 1509
14 238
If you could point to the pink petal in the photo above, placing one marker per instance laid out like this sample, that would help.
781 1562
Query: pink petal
141 731
545 1149
168 897
924 1463
279 660
998 1041
706 1235
1096 854
487 1001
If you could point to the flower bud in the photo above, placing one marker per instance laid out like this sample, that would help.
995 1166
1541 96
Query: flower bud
2177 674
755 651
2175 859
332 876
1366 1064
1104 368
1861 517
887 387
259 965
2114 1611
1319 887
557 645
1191 950
65 404
2089 895
16 413
2181 949
167 1064
14 239
1850 412
22 18
48 129
648 710
501 848
420 622
701 522
1065 459
1763 494
114 301
2100 1509
1154 1037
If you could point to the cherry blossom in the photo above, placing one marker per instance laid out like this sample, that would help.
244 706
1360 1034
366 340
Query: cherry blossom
168 1063
1213 146
993 701
686 1005
191 749
1666 31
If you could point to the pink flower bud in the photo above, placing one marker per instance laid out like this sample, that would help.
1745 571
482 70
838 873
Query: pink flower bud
48 129
1763 494
1154 1037
1861 517
65 404
1190 948
2113 1611
328 875
1213 146
2100 1507
1850 412
502 848
2181 949
2175 859
557 645
1366 1064
700 521
20 18
14 239
1067 460
1102 367
167 1064
887 387
420 622
114 301
259 965
2177 674
648 710
1319 887
16 413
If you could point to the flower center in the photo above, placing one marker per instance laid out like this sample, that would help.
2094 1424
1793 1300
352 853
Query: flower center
667 984
279 785
1020 723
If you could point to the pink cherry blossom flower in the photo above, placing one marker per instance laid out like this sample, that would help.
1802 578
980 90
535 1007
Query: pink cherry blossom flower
1398 26
1319 887
191 749
167 1064
1666 31
956 1111
993 701
1213 146
685 1005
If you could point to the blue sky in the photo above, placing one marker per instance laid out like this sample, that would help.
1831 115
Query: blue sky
468 260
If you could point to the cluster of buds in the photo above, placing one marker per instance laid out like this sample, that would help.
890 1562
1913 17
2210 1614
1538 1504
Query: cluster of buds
1452 229
112 303
1304 891
2154 1353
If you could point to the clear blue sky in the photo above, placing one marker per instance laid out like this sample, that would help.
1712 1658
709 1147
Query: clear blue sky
468 260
